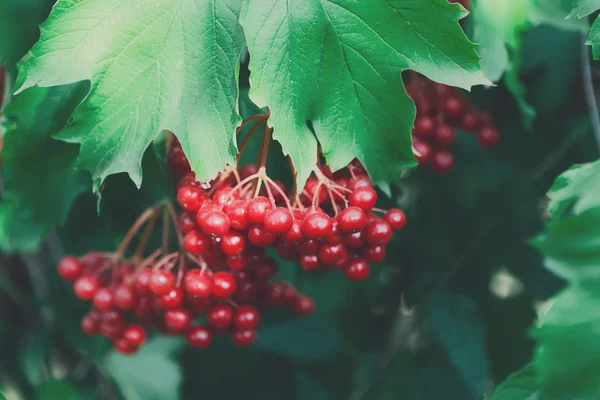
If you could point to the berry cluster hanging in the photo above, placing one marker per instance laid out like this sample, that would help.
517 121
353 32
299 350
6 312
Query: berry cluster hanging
440 110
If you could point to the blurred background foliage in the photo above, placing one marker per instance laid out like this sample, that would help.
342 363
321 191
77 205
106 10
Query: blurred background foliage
448 315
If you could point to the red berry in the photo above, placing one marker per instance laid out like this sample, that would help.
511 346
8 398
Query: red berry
237 212
186 221
187 179
112 317
378 232
237 263
196 243
469 122
197 283
373 254
89 325
216 223
310 262
111 331
123 346
233 244
342 260
206 209
316 225
294 235
422 151
246 317
220 316
364 198
190 198
359 181
488 137
225 196
224 285
259 236
442 161
103 299
424 126
69 268
199 337
352 219
354 240
124 297
444 135
135 335
173 299
304 305
246 170
243 338
161 282
266 270
357 270
278 220
258 208
396 218
177 320
142 282
330 253
178 162
454 107
86 287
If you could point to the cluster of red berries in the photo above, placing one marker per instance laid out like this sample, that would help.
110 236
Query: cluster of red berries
331 224
440 109
126 299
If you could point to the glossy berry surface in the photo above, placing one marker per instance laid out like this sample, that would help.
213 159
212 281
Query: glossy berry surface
69 268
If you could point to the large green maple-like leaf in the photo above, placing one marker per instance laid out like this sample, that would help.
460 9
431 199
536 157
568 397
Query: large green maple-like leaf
153 65
521 385
581 9
336 64
40 180
498 29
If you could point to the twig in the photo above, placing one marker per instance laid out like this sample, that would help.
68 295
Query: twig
588 89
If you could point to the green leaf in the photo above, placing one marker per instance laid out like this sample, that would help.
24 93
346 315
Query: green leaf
519 386
577 189
41 182
19 20
57 389
582 8
333 66
150 374
499 27
312 338
457 326
32 356
153 65
569 343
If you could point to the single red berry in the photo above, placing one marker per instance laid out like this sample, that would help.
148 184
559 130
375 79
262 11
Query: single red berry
274 294
485 118
224 285
316 225
135 335
310 262
396 218
237 263
488 137
178 162
469 122
225 196
424 126
89 325
294 235
341 261
266 270
124 297
177 320
246 293
330 253
123 346
364 198
233 244
304 305
359 181
357 270
373 254
112 332
190 198
421 151
352 219
173 299
334 235
86 287
246 317
186 221
237 212
245 171
259 236
112 317
243 338
220 316
197 283
199 337
216 223
103 299
378 232
354 240
187 179
206 209
444 135
196 243
278 220
69 268
454 107
161 282
142 282
143 308
442 161
258 208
